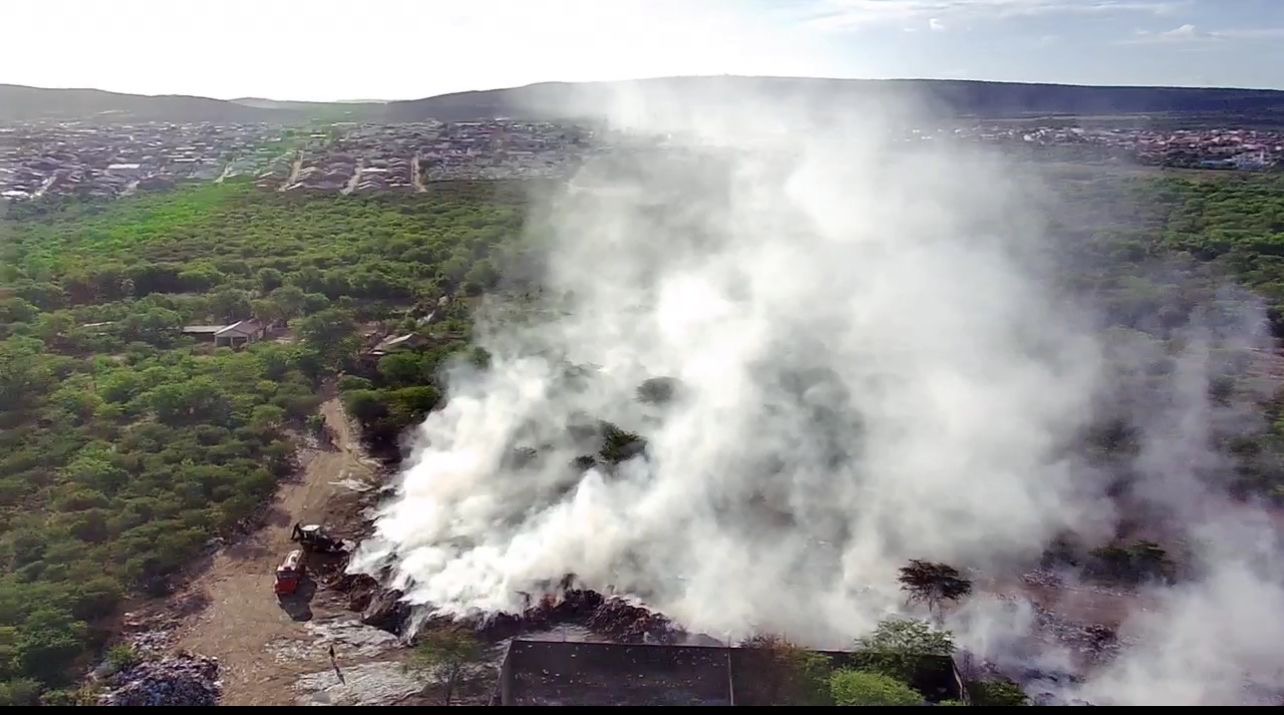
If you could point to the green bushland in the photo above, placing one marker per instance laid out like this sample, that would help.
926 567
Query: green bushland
126 447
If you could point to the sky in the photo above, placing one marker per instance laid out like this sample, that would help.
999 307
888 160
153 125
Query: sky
402 49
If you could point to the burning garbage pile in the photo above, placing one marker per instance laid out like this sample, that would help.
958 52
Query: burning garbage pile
181 680
379 607
1094 642
612 617
609 616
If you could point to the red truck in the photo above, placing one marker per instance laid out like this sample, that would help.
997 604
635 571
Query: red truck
289 573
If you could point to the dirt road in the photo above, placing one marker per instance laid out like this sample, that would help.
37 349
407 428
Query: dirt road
295 167
244 626
416 177
355 179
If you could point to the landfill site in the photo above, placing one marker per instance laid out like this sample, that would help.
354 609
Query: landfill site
272 618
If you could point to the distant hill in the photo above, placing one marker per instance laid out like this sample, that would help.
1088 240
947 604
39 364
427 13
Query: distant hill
356 109
560 100
27 103
947 97
18 102
261 103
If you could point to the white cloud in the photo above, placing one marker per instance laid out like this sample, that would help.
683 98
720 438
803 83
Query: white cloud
1188 34
850 14
1184 32
935 24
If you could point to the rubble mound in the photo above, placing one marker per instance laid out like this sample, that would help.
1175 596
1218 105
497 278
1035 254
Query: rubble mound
180 680
1092 642
360 588
630 623
613 617
387 611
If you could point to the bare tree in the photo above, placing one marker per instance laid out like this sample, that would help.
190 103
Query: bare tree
446 652
933 583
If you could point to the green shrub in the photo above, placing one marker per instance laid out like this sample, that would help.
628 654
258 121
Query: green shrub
122 657
19 692
998 693
858 687
348 383
896 646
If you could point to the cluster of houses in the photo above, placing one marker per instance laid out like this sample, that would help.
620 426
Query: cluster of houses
1211 148
361 158
505 150
366 158
241 333
104 161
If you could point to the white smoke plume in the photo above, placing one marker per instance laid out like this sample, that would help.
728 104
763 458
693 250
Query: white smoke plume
1215 638
871 365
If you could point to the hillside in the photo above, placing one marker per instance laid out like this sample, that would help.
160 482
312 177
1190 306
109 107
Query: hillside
21 103
561 100
948 97
27 103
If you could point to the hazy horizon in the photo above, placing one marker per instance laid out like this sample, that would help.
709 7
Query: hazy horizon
395 49
386 100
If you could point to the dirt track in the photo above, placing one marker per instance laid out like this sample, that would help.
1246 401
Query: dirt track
295 167
244 622
416 177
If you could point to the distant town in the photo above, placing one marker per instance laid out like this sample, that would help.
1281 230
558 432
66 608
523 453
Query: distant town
105 161
1220 148
401 157
102 162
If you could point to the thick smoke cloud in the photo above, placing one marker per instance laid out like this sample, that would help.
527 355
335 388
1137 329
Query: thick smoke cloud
871 364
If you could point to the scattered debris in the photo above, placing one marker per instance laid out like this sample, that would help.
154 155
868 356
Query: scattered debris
1050 579
353 639
149 642
1094 643
289 650
353 636
153 632
181 680
382 683
387 611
